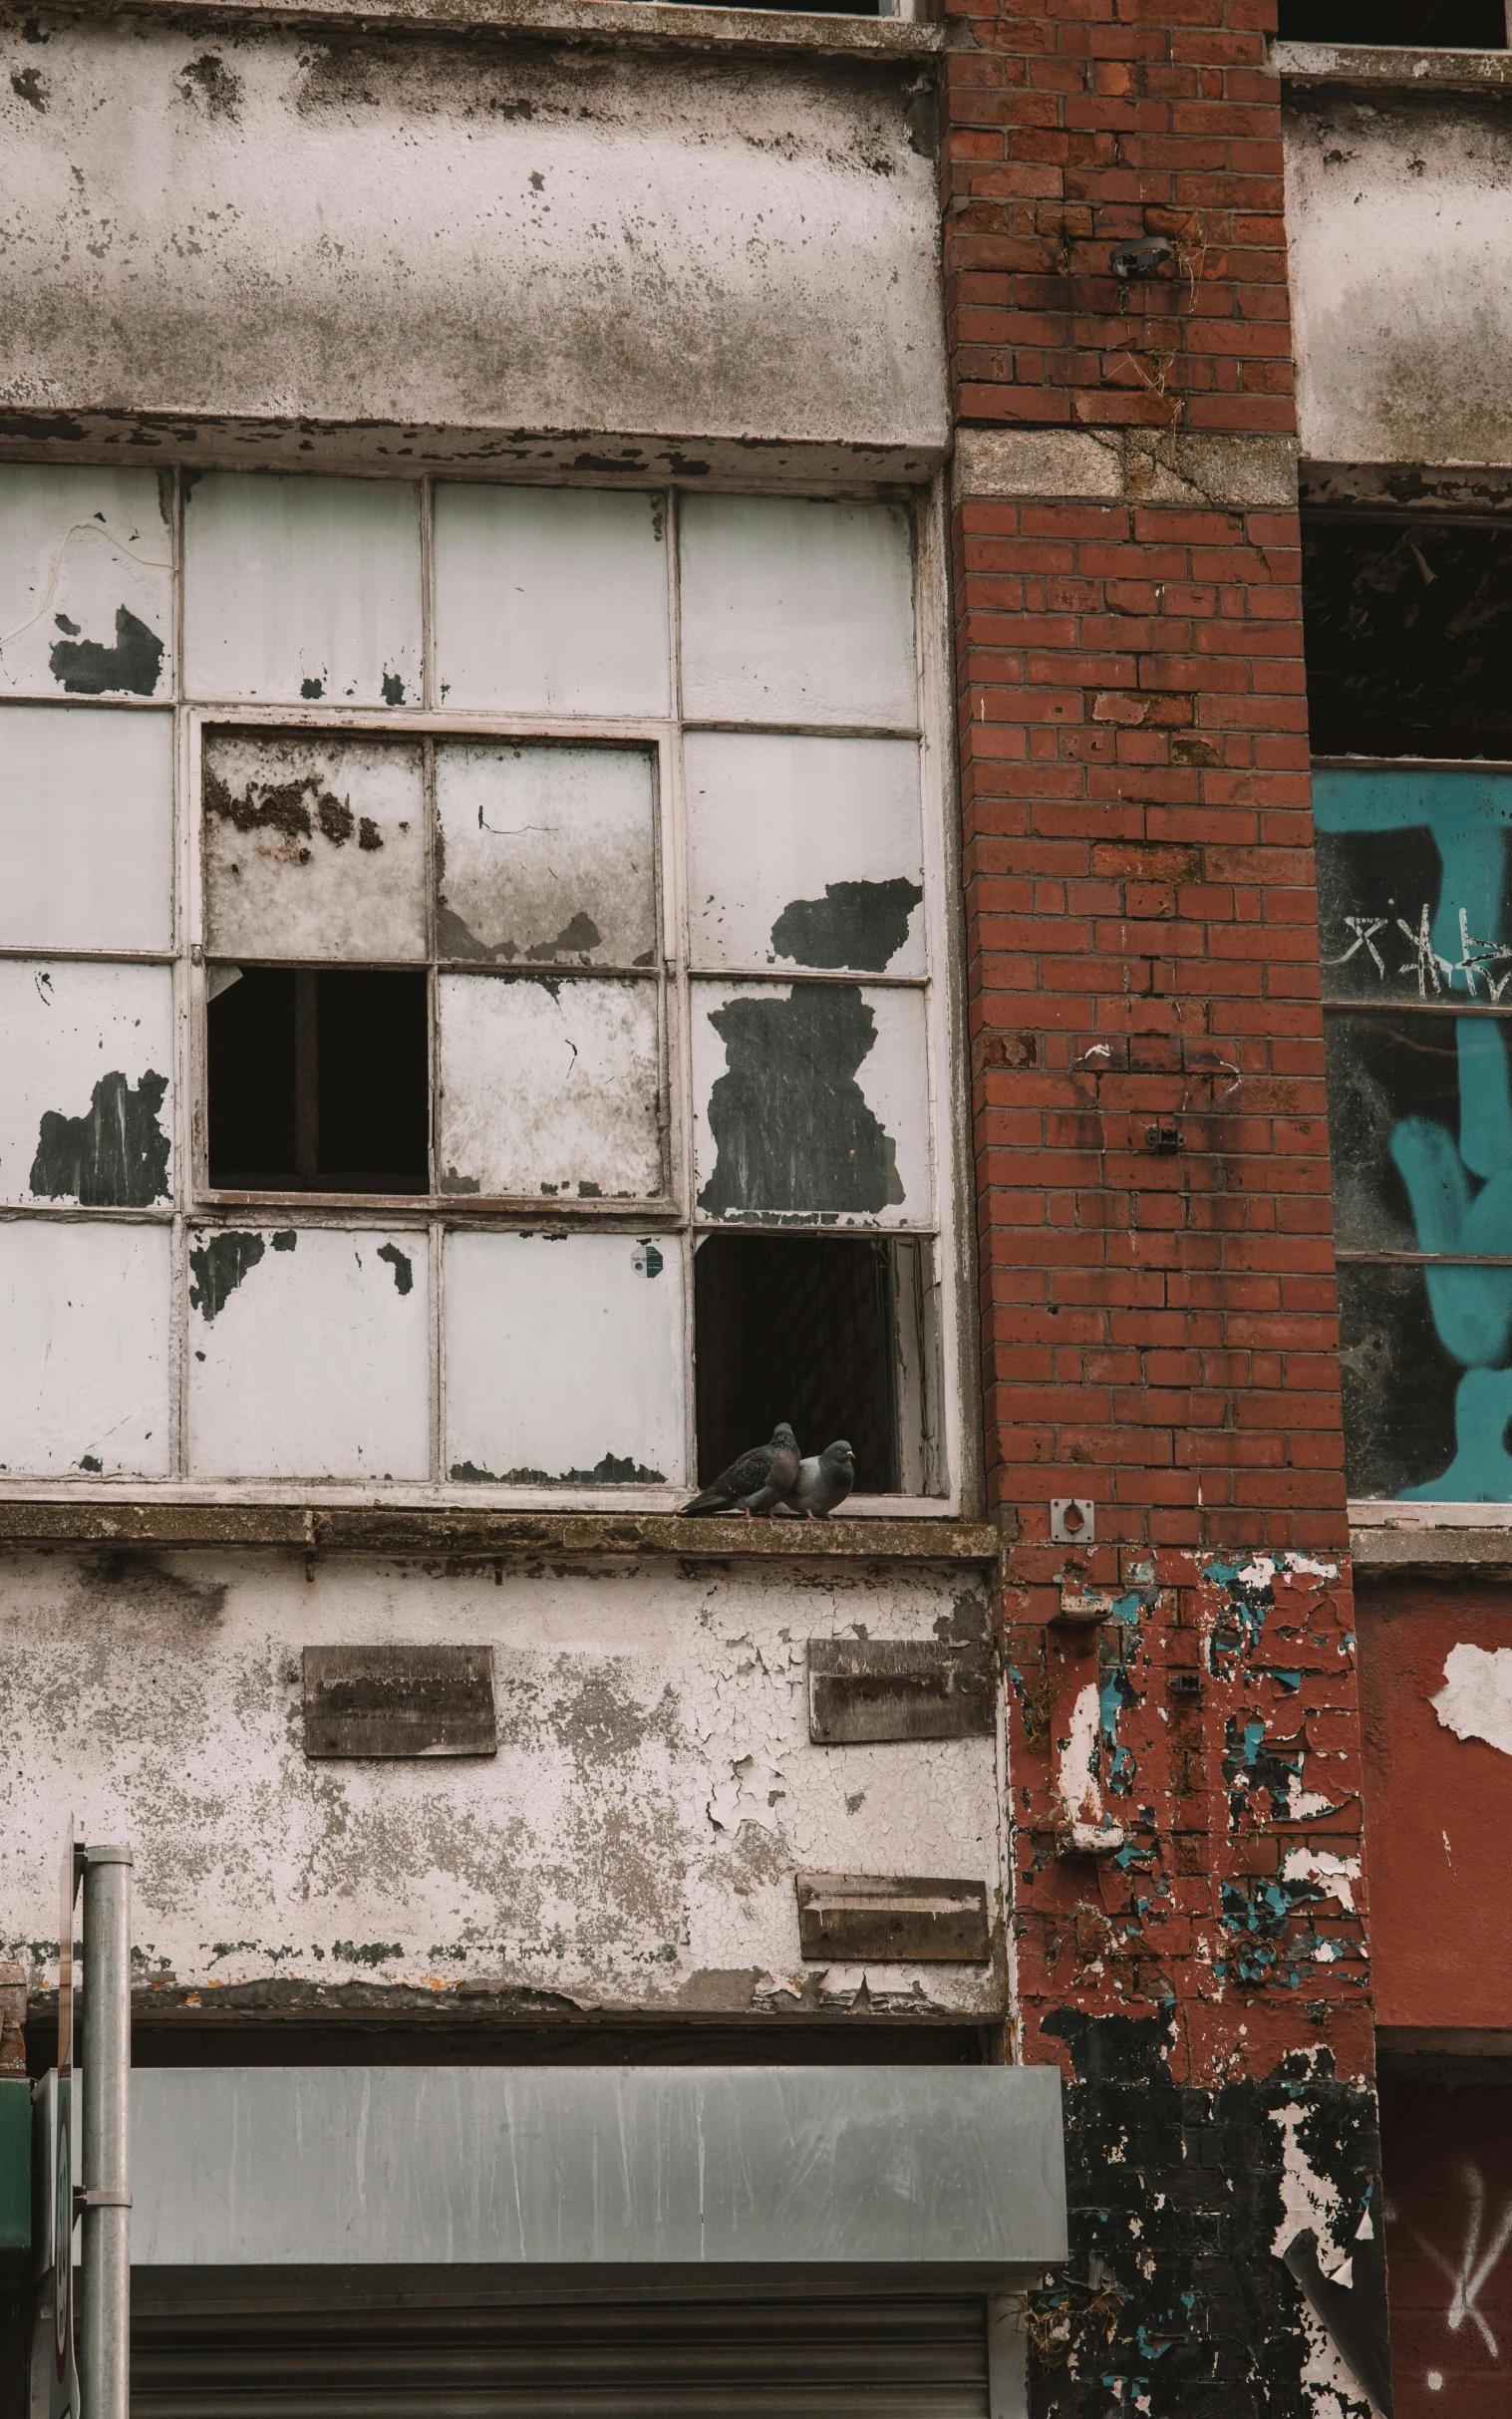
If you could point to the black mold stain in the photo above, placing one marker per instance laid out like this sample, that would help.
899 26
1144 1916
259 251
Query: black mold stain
219 1265
403 1274
862 924
26 84
455 939
613 1470
368 835
114 1156
1174 2301
791 1125
211 82
312 690
61 622
85 668
452 1182
581 935
294 807
393 689
91 1463
286 1239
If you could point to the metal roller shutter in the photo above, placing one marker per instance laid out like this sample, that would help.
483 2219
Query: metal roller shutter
729 2359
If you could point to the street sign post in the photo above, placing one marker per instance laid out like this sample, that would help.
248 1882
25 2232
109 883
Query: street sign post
55 2376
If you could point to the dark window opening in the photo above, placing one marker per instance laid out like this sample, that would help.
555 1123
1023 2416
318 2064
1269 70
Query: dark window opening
1448 25
1408 629
803 1328
318 1080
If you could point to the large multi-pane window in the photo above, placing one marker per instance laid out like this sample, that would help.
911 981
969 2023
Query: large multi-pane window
433 916
1406 621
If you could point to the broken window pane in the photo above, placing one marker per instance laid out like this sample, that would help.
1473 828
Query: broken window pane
546 854
84 1350
811 1101
796 612
801 1328
318 1080
302 588
550 1087
551 600
1414 887
86 828
314 847
1441 24
309 1353
805 851
564 1359
86 583
84 1111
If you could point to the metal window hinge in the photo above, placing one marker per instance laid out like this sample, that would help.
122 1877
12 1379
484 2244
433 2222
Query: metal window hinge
100 2197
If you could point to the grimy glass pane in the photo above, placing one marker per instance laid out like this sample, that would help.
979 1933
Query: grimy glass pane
86 583
1427 1381
314 846
309 1353
84 1350
812 1105
1421 1132
86 828
302 588
85 1082
796 612
551 600
549 1087
1414 885
564 1359
805 852
545 855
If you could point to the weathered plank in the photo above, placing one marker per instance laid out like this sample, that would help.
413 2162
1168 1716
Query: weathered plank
872 1689
398 1701
853 1918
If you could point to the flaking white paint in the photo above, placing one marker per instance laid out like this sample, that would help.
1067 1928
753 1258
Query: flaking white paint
1475 1701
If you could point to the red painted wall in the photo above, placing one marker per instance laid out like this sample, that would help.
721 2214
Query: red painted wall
1438 1812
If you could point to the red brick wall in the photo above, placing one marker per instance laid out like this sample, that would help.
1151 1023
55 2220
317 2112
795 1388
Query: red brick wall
1158 1325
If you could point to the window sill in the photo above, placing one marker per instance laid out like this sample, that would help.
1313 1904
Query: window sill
491 1535
1424 1540
650 24
1413 70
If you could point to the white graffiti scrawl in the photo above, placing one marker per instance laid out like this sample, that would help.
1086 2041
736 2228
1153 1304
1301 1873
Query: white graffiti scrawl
1469 2274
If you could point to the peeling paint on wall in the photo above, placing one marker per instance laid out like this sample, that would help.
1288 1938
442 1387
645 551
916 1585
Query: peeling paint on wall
1475 1701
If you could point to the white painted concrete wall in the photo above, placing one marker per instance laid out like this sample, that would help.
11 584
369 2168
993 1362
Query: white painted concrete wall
632 1845
474 235
1400 246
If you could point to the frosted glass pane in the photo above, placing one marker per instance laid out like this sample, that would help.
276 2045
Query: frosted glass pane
810 1104
84 1350
314 847
564 1359
309 1353
796 612
86 828
86 583
551 600
85 1084
549 1087
805 852
546 854
302 588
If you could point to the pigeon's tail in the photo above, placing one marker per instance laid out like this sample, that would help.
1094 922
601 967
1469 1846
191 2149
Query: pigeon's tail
710 1501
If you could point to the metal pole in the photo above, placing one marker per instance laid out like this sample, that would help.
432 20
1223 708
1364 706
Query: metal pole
104 2273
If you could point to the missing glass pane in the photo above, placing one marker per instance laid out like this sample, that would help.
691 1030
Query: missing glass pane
1470 25
1406 623
822 1331
318 1082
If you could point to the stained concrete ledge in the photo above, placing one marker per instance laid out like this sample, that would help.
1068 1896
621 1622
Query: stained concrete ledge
1413 70
659 24
1126 465
497 1536
1443 1554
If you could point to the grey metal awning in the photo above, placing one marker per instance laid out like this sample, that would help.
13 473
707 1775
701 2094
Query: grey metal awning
948 2175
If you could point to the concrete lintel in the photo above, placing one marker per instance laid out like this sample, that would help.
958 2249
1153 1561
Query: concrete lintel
1128 465
661 24
1458 1551
1408 71
594 457
461 1530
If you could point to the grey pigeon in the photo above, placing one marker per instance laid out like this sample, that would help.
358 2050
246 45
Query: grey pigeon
823 1481
756 1481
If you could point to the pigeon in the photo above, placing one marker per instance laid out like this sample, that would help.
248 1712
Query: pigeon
823 1481
757 1480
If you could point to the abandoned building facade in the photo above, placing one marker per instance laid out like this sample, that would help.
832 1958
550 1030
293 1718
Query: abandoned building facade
710 716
